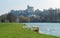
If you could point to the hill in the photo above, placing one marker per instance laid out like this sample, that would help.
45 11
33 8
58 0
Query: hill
15 30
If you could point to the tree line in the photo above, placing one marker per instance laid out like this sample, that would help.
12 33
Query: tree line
50 15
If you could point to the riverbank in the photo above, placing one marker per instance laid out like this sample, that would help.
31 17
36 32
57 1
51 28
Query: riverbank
15 30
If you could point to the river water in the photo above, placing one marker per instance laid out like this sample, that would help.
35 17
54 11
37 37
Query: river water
47 28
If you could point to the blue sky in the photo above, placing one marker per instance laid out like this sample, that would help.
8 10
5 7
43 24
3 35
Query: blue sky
7 5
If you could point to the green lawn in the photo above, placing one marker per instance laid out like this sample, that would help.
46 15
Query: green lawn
15 30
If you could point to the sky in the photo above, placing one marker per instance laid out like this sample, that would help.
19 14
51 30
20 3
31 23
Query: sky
7 5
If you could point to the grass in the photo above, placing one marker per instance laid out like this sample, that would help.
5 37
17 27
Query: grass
15 30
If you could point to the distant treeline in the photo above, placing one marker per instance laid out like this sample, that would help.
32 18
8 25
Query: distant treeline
29 15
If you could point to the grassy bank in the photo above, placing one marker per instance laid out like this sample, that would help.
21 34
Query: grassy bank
12 30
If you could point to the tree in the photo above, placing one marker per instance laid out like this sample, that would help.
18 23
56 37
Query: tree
24 19
11 17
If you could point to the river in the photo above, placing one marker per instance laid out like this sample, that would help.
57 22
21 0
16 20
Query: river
47 28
